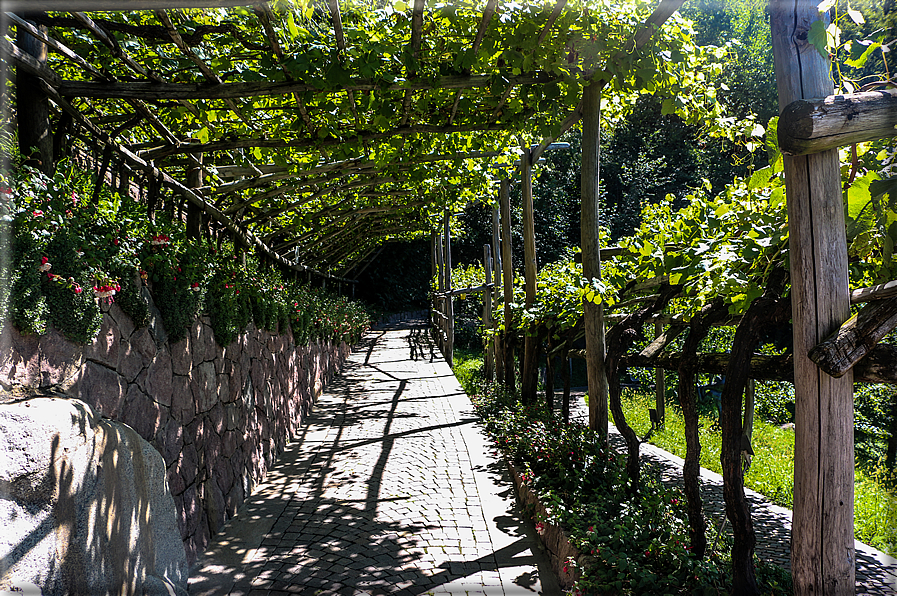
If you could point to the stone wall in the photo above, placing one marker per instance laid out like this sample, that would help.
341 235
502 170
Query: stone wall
219 416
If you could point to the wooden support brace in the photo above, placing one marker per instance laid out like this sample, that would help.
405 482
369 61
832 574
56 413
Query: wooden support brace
856 337
813 125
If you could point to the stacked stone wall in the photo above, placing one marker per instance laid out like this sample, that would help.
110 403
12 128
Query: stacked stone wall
218 416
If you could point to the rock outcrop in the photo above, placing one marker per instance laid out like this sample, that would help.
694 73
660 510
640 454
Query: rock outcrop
84 505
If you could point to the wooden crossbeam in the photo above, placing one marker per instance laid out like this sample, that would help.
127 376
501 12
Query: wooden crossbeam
555 13
879 366
839 352
266 16
664 11
814 125
160 90
313 142
417 23
204 68
336 188
341 48
118 5
488 13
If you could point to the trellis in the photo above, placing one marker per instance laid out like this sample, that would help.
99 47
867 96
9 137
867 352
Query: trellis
372 198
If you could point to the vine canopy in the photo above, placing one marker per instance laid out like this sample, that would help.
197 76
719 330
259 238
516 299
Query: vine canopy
324 128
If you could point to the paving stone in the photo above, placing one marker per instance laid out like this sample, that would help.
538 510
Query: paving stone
387 488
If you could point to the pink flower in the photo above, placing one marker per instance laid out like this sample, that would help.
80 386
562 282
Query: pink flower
45 264
591 529
37 213
540 528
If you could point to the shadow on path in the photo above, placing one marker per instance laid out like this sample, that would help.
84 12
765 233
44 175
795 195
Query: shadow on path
391 488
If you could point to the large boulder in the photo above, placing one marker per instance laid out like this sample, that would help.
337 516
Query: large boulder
84 504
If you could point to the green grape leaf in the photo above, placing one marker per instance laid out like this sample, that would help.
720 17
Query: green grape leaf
818 37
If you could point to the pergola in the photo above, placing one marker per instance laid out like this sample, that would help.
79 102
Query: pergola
314 134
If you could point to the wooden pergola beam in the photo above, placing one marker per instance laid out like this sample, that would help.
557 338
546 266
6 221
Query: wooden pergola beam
335 16
417 23
133 160
664 11
878 366
555 13
310 143
204 68
265 16
319 193
160 90
814 125
488 13
119 5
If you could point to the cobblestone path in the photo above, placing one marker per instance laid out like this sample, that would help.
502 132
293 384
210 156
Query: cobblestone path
876 572
391 489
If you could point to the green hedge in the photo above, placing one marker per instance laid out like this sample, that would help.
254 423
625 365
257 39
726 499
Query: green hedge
69 254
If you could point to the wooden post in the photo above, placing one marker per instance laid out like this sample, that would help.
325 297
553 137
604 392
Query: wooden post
660 402
497 353
487 313
434 270
194 213
507 280
33 106
593 314
449 305
439 301
822 541
528 373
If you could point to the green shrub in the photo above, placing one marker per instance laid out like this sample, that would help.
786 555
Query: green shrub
635 544
71 310
27 304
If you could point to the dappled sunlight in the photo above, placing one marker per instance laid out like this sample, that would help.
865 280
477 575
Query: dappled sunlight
388 486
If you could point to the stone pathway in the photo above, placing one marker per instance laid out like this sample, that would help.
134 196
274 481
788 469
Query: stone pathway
390 489
876 572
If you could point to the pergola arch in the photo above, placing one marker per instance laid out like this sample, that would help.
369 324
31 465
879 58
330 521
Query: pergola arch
324 148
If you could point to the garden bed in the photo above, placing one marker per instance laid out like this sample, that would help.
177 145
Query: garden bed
554 538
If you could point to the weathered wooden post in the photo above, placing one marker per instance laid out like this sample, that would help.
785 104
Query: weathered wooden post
822 541
487 313
593 314
33 106
449 304
660 402
433 271
529 372
507 280
439 300
498 353
194 213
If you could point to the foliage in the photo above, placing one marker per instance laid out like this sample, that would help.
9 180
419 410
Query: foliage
398 112
64 245
634 544
772 468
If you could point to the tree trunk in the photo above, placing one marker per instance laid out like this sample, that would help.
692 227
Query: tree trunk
691 469
619 340
762 313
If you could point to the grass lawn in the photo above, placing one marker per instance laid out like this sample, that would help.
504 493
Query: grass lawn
772 468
